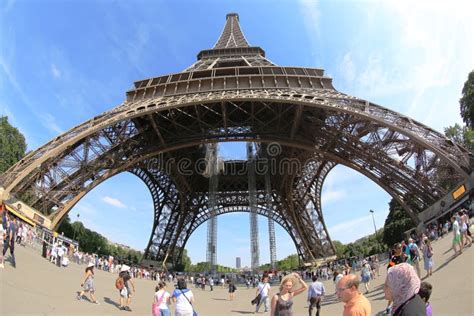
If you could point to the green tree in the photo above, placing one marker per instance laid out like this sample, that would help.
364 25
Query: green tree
467 101
340 248
289 263
462 135
396 224
12 144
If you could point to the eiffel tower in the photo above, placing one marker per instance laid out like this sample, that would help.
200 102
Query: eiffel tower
297 122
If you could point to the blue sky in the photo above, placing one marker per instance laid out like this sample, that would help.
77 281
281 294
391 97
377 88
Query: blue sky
63 62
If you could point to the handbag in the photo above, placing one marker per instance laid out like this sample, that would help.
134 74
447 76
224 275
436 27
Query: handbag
155 307
259 296
256 299
194 312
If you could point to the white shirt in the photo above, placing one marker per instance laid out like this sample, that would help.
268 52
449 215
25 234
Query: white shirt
182 304
263 288
159 295
456 231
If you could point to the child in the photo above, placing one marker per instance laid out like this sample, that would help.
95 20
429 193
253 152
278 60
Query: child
161 300
425 293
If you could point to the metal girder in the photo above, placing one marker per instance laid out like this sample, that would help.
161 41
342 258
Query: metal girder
234 93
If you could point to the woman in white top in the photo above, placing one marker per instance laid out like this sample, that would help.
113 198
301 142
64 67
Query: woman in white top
183 297
161 300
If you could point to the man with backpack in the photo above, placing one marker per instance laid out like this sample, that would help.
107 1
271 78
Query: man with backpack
123 285
414 255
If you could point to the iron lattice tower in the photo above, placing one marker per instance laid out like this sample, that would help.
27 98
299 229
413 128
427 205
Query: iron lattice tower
271 226
252 189
212 170
234 93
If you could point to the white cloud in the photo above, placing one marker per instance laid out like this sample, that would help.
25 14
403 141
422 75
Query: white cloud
354 229
55 71
49 121
331 196
347 68
311 17
113 202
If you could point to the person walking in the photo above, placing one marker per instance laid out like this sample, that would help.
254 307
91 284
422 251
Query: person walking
161 300
125 292
282 302
356 304
456 236
428 257
264 290
184 299
211 283
401 286
231 288
315 293
88 284
337 276
464 229
9 241
414 255
365 275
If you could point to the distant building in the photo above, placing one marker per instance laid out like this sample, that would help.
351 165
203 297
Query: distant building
237 263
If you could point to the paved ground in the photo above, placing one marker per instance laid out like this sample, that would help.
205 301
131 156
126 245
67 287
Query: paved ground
36 287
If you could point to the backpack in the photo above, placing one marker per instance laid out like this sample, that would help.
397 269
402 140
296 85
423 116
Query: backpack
119 283
413 252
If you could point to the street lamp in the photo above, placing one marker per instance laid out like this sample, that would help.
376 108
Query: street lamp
373 219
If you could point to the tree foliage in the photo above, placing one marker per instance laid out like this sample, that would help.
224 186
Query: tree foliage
204 267
366 246
396 224
12 144
289 263
464 136
340 248
467 101
93 242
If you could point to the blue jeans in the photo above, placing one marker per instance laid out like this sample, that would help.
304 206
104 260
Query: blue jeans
6 245
263 300
164 312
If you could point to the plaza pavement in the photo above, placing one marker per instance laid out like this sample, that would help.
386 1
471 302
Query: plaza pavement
37 287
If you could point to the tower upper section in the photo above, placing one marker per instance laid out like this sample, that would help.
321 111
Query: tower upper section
231 50
232 64
232 35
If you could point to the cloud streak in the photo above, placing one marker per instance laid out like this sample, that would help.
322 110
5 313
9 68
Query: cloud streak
114 202
55 71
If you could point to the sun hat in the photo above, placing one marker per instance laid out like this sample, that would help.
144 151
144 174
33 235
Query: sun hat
90 265
124 268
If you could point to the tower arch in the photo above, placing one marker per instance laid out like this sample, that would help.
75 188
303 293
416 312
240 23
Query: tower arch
234 93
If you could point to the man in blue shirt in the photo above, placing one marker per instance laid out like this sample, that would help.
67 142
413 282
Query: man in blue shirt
10 240
315 292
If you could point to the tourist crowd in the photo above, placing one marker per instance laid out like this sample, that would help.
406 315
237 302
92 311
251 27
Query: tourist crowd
403 289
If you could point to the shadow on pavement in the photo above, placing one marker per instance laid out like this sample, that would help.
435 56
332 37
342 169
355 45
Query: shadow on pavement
219 299
111 302
242 312
445 263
